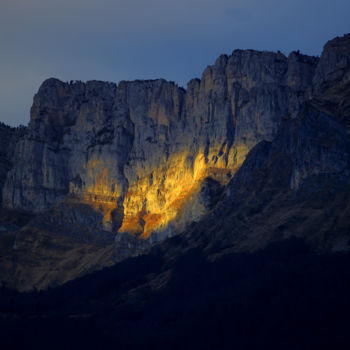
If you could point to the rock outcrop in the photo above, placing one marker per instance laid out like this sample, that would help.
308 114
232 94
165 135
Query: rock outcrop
334 64
140 161
139 152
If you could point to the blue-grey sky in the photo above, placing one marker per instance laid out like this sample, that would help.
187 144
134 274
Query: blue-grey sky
146 39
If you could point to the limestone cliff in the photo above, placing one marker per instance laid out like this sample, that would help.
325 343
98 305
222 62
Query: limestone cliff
138 152
108 169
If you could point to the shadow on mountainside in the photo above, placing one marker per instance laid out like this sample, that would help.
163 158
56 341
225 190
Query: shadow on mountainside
284 296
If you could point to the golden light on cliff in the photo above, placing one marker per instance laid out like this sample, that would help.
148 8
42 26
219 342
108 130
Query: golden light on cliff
160 195
172 190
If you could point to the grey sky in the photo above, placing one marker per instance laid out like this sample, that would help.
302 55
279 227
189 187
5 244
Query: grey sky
146 39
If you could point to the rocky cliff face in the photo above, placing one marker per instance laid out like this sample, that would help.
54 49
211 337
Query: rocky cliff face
140 161
8 139
334 64
139 152
297 185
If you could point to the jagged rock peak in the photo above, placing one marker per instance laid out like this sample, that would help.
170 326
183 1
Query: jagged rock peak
334 64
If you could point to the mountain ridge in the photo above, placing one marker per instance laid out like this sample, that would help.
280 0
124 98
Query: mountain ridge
129 165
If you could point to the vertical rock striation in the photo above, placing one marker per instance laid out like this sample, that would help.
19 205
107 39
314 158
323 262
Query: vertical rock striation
8 139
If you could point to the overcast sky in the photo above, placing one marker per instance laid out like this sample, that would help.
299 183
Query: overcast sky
146 39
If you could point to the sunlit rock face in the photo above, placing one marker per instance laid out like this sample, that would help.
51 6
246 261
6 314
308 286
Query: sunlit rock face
149 156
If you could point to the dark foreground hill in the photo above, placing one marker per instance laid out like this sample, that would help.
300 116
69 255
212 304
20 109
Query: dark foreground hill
282 297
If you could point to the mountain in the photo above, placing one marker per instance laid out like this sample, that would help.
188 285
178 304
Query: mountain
254 152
